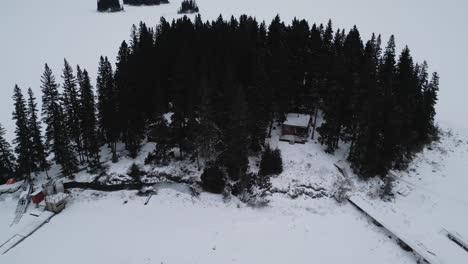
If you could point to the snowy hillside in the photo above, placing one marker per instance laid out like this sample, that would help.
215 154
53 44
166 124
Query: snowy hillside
298 220
176 227
297 225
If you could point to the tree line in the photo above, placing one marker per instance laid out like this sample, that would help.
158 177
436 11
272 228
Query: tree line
228 83
145 2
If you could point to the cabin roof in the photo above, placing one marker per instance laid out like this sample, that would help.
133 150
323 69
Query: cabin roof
38 191
297 120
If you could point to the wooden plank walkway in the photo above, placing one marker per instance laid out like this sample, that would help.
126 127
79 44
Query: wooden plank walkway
35 223
418 247
431 243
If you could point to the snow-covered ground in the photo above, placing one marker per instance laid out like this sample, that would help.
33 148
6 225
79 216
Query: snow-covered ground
431 200
176 228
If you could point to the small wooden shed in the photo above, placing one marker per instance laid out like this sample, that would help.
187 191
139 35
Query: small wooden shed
295 128
37 196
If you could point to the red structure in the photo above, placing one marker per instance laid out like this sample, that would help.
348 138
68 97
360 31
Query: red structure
11 181
37 196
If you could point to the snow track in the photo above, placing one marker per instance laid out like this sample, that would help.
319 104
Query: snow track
26 230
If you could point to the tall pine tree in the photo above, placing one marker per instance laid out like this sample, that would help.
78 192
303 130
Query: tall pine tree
7 159
88 122
107 106
236 156
39 153
71 105
22 140
56 132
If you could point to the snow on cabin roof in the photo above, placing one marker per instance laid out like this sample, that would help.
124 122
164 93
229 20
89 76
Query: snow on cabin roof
56 198
37 192
298 120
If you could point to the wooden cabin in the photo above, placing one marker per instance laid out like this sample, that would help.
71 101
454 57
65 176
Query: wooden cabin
295 128
37 197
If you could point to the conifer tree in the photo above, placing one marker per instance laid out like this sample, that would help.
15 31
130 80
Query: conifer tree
22 140
236 139
7 159
130 110
335 99
259 100
107 105
430 100
406 96
56 132
39 153
88 123
354 94
364 156
50 103
387 72
207 135
71 105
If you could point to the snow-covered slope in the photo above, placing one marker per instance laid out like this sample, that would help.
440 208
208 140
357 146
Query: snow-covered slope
36 32
176 228
431 199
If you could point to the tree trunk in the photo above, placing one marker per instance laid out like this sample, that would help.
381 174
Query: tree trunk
315 123
271 125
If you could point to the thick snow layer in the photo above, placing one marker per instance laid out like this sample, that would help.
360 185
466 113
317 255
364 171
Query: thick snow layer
431 200
35 32
176 228
4 188
299 120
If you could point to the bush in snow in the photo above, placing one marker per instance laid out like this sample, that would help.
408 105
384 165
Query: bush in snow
213 179
136 171
387 188
160 156
341 188
271 162
263 181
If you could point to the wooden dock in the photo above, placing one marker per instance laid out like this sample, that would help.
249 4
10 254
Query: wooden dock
438 247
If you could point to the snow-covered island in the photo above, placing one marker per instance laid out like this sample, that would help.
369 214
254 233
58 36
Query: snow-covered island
221 137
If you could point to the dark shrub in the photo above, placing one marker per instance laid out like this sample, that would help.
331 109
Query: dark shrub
271 163
136 171
160 156
213 180
263 181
